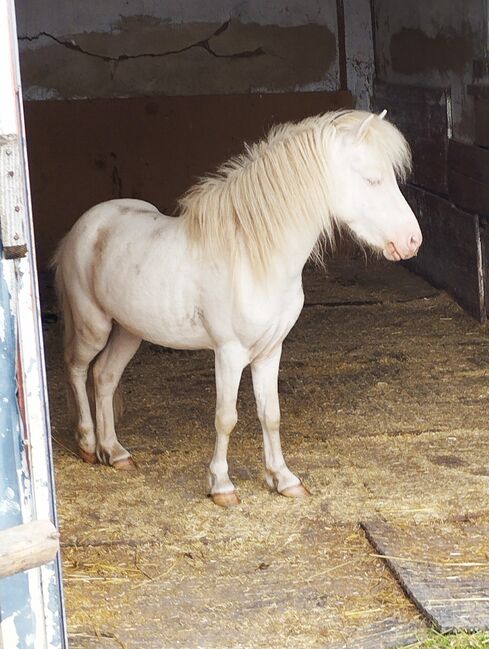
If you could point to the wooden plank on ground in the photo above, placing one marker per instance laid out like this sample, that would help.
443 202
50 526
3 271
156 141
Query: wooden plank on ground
390 633
421 115
450 256
442 567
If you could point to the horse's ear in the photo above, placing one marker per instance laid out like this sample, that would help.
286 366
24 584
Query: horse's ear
383 113
363 127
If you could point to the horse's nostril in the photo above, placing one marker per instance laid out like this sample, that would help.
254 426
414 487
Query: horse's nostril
414 242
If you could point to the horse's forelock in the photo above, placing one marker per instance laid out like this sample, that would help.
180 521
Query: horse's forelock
386 141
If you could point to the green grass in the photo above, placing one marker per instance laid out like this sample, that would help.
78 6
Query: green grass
451 641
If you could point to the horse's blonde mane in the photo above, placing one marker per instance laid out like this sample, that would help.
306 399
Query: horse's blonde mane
279 184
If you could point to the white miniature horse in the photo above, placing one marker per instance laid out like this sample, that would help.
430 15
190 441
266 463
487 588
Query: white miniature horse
226 274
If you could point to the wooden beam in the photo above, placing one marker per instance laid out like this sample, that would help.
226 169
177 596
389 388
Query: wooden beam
451 256
27 546
374 37
340 15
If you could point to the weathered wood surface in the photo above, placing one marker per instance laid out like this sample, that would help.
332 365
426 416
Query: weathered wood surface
421 115
451 256
468 177
480 93
484 244
443 568
390 633
27 546
469 160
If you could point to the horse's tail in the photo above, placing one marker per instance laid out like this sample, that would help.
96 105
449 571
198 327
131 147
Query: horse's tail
65 320
65 315
67 326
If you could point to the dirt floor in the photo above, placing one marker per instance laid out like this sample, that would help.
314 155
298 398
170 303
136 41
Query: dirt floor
384 389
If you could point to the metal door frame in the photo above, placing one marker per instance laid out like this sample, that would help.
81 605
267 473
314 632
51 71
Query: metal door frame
31 602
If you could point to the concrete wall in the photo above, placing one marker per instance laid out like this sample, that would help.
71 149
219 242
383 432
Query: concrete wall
432 44
91 49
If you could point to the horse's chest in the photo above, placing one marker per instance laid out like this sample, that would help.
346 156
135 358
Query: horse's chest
262 329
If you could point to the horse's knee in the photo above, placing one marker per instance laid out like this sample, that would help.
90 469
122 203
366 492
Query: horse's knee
269 418
226 420
105 380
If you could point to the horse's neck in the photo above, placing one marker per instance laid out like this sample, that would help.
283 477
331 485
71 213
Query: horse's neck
297 249
286 265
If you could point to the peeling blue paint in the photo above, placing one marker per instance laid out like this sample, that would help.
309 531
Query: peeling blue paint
14 590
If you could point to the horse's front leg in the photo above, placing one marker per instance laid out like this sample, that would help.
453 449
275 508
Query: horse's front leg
265 385
230 361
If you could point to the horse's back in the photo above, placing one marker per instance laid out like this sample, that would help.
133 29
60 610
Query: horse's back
104 224
112 213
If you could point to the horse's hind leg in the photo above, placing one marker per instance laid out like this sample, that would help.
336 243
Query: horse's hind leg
82 344
107 371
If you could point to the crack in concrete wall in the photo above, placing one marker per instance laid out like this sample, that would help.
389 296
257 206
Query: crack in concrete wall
204 44
71 53
231 57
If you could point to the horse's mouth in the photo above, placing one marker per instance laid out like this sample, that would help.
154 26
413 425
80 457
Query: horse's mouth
391 253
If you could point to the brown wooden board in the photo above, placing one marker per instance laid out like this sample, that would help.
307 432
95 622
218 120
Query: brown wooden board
484 243
442 567
480 93
87 151
468 193
421 114
450 256
468 177
469 160
390 633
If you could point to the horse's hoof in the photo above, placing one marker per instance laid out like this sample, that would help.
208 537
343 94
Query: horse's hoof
89 458
226 500
127 464
297 491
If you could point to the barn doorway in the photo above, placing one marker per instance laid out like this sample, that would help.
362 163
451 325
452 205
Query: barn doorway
383 386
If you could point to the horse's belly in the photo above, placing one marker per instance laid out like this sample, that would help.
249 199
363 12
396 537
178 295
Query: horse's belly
179 331
182 337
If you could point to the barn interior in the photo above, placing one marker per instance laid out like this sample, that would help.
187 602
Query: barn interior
383 382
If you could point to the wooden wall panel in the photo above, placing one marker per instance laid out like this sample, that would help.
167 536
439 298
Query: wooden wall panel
480 94
450 257
87 151
468 177
421 115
